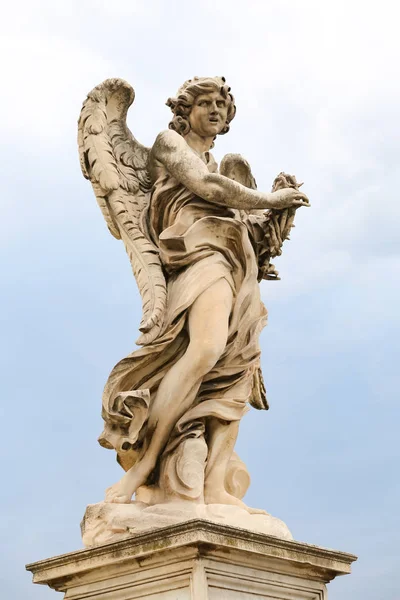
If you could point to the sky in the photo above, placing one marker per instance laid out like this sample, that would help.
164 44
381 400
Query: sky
318 95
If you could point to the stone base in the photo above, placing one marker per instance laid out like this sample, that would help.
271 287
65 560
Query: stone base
107 522
196 560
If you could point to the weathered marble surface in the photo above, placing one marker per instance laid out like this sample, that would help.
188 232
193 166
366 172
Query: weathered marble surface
105 521
196 560
199 240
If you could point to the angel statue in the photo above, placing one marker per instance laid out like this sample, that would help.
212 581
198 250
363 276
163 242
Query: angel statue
199 241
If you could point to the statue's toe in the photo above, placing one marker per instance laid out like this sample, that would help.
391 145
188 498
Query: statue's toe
256 511
114 494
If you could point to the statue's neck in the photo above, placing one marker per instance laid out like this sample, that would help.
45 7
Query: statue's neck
198 143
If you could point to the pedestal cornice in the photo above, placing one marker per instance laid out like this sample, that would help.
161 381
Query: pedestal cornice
191 541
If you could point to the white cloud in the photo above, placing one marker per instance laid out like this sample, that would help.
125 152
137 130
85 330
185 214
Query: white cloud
310 78
318 94
45 76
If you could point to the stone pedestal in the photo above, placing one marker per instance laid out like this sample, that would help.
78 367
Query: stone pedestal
195 560
108 522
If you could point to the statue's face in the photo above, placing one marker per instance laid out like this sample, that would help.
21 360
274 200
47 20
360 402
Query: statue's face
208 115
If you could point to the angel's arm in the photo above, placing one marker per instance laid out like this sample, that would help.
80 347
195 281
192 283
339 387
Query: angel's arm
183 164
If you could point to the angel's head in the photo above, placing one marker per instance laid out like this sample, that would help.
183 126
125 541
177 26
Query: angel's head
202 104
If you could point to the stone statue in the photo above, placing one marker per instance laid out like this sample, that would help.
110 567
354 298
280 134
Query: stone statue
199 241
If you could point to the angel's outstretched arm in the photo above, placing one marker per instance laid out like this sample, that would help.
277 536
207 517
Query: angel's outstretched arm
175 154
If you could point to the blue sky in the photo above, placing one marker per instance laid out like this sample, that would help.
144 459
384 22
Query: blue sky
317 95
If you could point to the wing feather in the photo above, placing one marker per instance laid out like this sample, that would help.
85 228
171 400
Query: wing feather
235 167
116 164
275 223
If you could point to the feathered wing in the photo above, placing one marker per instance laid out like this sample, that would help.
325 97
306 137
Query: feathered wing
116 165
237 168
268 228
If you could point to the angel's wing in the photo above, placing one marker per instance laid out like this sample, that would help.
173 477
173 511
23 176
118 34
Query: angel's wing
268 228
235 167
116 165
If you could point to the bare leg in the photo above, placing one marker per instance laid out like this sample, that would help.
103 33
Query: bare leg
221 442
208 330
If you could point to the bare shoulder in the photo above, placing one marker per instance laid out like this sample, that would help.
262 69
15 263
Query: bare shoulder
172 151
166 141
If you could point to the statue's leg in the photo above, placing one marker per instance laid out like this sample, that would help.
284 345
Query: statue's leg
208 323
221 442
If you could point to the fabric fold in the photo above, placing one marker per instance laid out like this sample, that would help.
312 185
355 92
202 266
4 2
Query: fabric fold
200 243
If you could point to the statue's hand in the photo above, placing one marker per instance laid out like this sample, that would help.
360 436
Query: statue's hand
288 198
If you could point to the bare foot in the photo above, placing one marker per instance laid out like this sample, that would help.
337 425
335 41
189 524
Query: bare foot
256 511
122 491
116 494
214 496
223 497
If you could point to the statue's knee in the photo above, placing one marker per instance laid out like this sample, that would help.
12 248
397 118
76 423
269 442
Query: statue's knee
205 357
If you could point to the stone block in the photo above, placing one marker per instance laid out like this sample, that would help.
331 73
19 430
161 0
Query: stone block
196 560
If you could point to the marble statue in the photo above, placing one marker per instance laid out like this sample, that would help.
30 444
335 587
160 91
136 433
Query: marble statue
200 239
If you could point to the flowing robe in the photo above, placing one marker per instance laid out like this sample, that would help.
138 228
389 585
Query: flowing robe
199 243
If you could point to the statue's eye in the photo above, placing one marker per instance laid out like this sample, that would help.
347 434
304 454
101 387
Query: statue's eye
221 103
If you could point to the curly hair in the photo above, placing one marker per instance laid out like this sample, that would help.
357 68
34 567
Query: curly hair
181 106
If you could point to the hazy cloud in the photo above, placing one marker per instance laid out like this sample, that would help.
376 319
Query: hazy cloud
317 92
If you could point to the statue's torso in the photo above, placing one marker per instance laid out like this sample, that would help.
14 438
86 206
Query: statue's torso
187 228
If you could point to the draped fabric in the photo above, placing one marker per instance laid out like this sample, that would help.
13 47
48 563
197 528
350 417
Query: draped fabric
200 243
